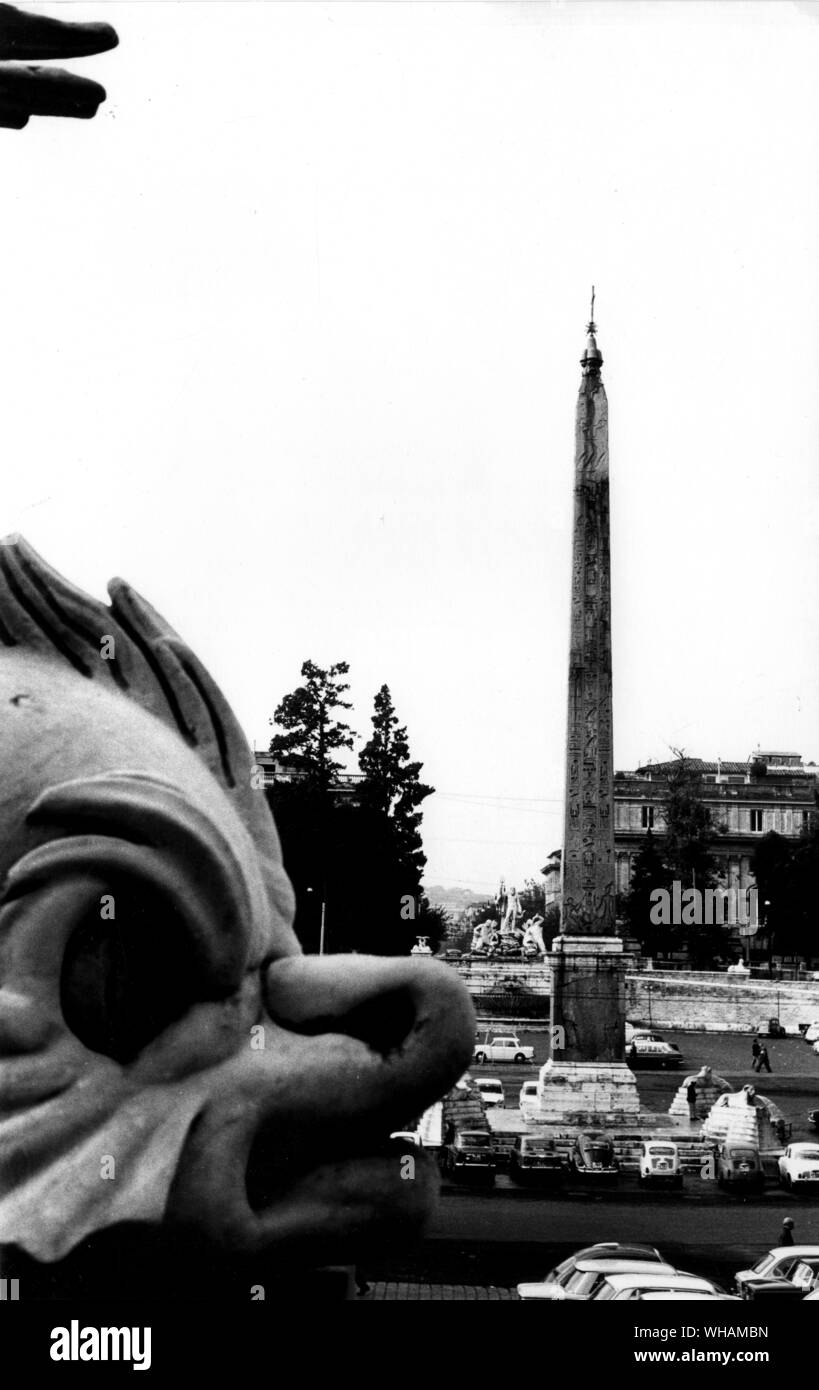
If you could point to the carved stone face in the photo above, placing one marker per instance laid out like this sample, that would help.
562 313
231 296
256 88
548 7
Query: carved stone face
167 1055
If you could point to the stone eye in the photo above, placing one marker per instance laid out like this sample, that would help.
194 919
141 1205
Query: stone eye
126 977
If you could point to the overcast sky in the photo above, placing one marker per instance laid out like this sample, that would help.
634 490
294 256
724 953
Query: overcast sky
290 340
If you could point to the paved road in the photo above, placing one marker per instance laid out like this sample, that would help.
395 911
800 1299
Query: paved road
491 1238
793 1084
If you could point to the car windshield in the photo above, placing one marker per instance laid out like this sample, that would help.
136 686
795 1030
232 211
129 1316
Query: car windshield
607 1291
744 1155
474 1141
664 1149
599 1153
582 1281
811 1155
765 1265
537 1146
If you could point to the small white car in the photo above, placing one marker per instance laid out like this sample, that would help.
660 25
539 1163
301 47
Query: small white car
503 1047
779 1263
660 1163
633 1287
816 1047
799 1167
491 1089
527 1100
581 1283
811 1033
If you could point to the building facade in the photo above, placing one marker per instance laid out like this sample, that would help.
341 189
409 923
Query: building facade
770 791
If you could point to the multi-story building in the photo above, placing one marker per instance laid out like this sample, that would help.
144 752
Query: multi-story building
273 771
769 791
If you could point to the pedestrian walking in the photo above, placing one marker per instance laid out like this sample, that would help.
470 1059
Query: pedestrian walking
691 1097
756 1048
764 1060
786 1237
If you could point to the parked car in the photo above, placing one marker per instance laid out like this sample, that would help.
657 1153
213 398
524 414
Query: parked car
660 1164
621 1288
777 1264
811 1033
604 1250
585 1278
528 1095
739 1168
755 1289
469 1157
593 1157
408 1136
633 1031
799 1167
771 1028
653 1052
536 1161
685 1296
491 1089
816 1047
504 1047
451 955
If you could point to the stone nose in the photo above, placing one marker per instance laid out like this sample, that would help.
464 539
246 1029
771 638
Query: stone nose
409 1023
292 1149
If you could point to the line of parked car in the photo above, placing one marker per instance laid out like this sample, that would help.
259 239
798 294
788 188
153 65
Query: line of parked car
469 1156
610 1271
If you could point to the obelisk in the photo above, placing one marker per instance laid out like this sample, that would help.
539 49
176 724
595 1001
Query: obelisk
586 1079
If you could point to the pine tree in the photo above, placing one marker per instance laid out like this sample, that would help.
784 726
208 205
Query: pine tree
312 734
392 786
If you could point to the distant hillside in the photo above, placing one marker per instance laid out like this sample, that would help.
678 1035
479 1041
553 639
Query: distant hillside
454 900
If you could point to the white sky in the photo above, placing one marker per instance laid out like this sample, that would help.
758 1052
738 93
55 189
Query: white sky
290 340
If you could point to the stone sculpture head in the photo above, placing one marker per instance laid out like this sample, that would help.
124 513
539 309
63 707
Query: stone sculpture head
167 1054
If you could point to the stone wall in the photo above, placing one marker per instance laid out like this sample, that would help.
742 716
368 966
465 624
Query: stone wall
718 1003
709 1000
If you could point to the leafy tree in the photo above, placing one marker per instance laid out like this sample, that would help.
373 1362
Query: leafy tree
689 830
312 733
787 878
649 873
680 851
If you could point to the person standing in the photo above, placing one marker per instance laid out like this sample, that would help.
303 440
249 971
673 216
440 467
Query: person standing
691 1097
763 1060
786 1238
756 1048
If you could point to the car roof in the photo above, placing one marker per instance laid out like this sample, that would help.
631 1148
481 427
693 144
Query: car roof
780 1250
649 1251
658 1281
623 1266
806 1144
687 1296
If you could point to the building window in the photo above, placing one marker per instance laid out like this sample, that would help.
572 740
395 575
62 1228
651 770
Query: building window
647 814
756 820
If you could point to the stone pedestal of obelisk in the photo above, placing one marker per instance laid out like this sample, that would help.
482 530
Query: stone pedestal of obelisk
586 1081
